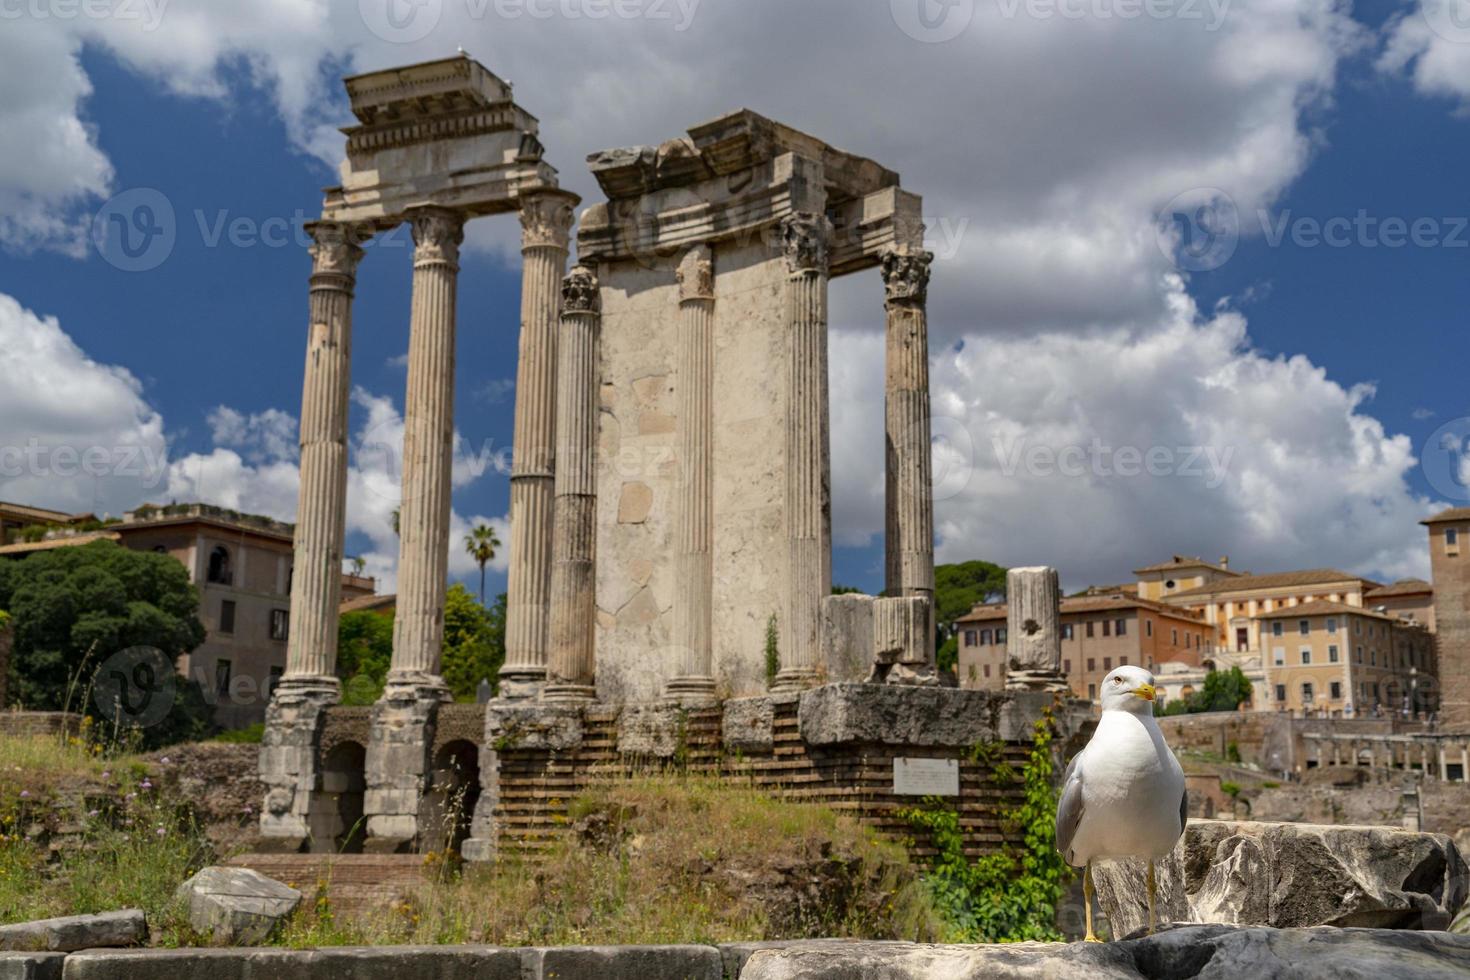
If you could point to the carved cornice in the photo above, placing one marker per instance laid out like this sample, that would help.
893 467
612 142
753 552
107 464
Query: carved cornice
906 276
580 292
696 274
437 235
806 238
334 251
546 220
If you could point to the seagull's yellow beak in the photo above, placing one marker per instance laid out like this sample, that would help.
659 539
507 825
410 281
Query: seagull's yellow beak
1145 691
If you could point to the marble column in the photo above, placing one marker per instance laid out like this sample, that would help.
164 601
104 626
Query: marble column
574 547
1034 630
288 750
1465 763
316 585
694 681
546 222
428 455
909 486
807 242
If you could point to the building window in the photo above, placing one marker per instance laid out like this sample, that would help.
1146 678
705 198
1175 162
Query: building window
987 670
1091 665
1089 629
1148 627
1067 630
1107 663
970 638
222 678
1335 690
1372 658
1170 585
1451 540
1332 655
1242 638
1307 693
985 638
1306 656
1174 637
1358 627
1280 692
1121 627
1304 627
219 567
1092 692
1107 627
1276 628
1000 635
1332 624
227 616
1122 661
1067 666
272 681
1278 656
280 624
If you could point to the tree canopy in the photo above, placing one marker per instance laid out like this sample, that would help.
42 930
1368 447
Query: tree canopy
1223 690
958 589
73 608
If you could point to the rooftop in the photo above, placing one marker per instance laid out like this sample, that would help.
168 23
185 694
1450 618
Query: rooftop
1275 580
65 541
1322 607
1404 586
1186 561
1454 514
1075 605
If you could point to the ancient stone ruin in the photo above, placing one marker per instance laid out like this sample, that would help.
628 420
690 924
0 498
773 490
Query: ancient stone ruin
670 493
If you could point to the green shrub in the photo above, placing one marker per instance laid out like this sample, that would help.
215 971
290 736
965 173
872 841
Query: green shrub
250 735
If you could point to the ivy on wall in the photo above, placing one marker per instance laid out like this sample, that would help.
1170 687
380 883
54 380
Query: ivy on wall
1010 896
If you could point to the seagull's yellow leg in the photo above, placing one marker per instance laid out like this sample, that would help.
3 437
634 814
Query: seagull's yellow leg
1087 901
1153 887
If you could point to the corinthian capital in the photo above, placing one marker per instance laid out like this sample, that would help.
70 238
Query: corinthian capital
546 219
696 274
334 250
807 239
906 275
579 291
437 235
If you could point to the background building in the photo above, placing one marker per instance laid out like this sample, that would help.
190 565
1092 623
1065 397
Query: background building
1449 541
241 565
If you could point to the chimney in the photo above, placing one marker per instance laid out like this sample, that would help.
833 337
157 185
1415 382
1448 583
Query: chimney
1225 562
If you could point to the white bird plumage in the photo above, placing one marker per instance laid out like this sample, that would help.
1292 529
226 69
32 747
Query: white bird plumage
1123 795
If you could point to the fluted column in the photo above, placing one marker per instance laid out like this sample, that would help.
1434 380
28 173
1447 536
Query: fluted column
694 504
316 586
571 676
807 240
428 451
909 487
546 222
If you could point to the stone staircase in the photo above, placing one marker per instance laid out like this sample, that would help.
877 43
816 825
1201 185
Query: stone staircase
355 883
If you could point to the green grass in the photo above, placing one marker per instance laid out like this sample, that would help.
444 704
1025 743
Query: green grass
250 735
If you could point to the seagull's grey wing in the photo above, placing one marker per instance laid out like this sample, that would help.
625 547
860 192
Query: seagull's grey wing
1183 810
1069 807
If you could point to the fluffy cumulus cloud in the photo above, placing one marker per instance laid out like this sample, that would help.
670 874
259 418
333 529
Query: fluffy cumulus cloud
1058 317
75 435
1431 45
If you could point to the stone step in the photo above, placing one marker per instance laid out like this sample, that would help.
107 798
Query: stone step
354 883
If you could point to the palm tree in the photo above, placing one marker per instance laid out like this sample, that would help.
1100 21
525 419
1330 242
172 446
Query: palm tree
481 544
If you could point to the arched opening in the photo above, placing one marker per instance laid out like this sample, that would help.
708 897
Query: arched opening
449 805
219 566
336 819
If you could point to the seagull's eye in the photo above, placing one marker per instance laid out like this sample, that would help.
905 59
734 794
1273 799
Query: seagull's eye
1117 680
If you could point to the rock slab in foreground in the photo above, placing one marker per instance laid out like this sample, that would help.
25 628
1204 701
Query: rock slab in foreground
31 966
1203 952
1291 875
237 906
72 932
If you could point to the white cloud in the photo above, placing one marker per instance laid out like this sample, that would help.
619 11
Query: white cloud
74 434
265 436
1431 44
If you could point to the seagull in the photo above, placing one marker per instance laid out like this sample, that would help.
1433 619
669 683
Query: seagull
1123 795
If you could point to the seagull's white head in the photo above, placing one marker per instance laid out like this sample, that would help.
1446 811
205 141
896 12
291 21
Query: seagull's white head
1128 689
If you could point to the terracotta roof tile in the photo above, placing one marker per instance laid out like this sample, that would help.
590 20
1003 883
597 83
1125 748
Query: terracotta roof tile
1276 580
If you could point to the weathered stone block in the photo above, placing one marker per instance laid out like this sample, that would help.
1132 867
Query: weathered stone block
1293 875
655 730
124 928
902 961
899 715
186 964
237 906
536 727
414 962
749 725
847 637
622 963
31 966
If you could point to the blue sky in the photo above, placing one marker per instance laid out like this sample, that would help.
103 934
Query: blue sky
1047 148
